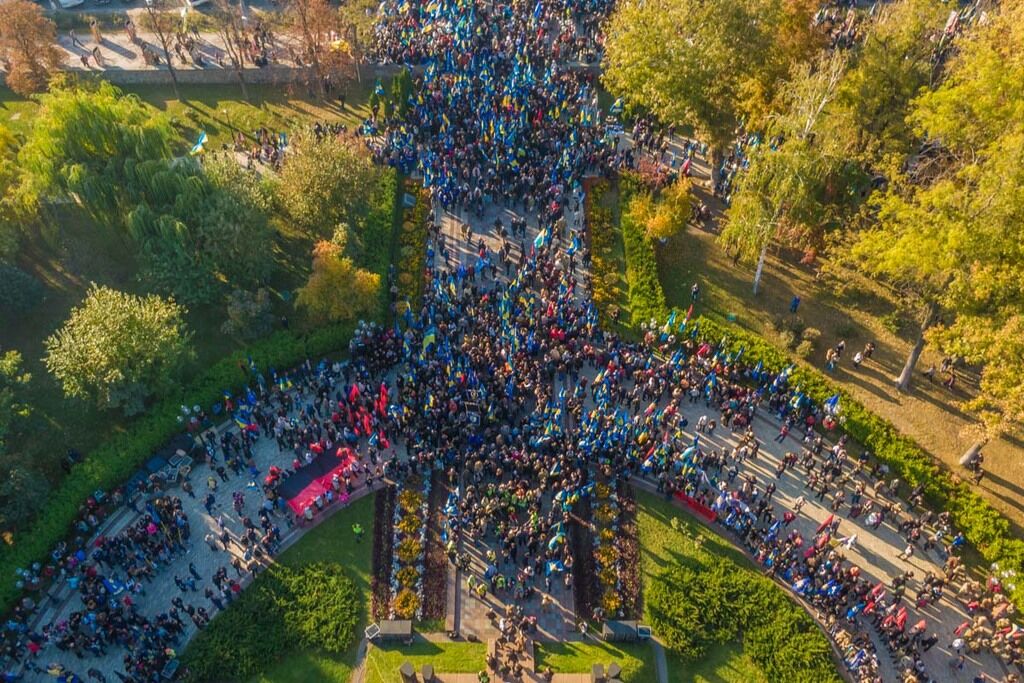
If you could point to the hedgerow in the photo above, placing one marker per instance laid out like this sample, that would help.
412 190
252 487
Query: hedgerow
646 296
315 607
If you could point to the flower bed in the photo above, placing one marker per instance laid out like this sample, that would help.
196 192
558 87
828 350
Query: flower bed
629 547
435 579
409 540
383 552
586 593
606 512
412 245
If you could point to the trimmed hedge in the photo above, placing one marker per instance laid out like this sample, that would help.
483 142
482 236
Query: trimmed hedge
315 607
113 462
646 296
694 608
379 227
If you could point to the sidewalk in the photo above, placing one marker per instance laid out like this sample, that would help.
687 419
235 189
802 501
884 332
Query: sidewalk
118 52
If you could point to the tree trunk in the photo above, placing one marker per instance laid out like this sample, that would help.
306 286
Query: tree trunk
903 381
760 268
241 82
174 77
969 456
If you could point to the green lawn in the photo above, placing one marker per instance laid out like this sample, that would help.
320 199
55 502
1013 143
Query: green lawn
668 535
382 662
725 664
636 659
302 667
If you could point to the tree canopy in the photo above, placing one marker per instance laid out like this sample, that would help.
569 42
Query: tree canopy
28 46
950 230
326 182
194 233
337 289
119 349
707 65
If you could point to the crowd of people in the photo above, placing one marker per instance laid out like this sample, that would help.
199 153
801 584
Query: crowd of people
503 379
496 116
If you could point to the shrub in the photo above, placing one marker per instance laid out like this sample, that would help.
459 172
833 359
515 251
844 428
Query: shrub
315 607
250 315
892 321
805 348
19 291
693 610
406 604
811 334
787 338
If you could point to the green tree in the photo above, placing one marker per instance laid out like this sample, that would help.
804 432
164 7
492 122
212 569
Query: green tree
194 233
119 349
888 70
781 196
950 232
337 289
19 291
707 65
249 314
85 143
23 493
359 17
326 182
16 210
28 46
13 381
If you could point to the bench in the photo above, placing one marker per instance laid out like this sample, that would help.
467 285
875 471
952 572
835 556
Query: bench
620 631
395 629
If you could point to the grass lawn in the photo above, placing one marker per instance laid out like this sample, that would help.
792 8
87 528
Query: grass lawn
668 535
301 667
382 662
725 664
636 659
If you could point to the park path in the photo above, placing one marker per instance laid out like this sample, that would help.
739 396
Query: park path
119 52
